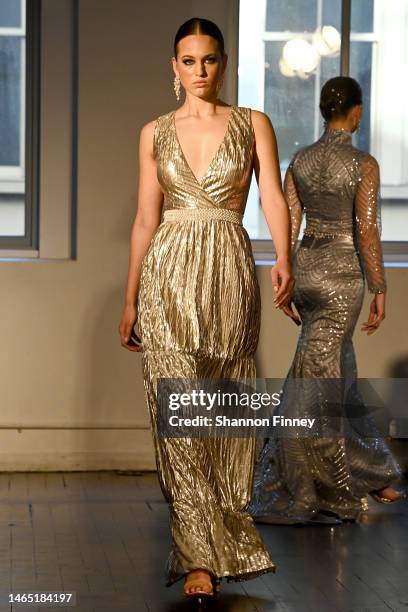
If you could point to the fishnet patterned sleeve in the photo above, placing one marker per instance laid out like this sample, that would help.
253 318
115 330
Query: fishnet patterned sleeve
294 203
368 226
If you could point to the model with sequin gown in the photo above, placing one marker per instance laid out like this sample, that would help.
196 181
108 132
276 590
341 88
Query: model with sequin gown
296 478
199 317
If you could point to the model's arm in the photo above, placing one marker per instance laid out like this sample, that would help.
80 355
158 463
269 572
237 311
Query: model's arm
274 206
367 230
294 203
147 219
367 214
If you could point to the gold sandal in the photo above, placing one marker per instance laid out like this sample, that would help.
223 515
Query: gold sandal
201 595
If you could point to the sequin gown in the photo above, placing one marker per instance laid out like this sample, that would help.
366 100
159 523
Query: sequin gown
199 317
336 186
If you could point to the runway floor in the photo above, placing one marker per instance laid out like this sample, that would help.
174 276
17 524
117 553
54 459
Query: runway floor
105 537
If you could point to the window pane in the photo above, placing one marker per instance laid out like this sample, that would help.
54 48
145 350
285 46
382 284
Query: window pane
332 13
10 96
12 121
10 13
291 15
362 15
290 104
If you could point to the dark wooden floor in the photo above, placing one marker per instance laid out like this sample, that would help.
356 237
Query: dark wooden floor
105 536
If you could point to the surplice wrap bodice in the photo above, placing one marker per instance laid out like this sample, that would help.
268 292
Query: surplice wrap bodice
201 252
225 183
337 186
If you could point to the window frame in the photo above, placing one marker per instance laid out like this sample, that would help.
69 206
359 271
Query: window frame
51 139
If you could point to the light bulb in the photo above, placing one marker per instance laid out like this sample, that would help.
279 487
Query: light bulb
332 38
300 55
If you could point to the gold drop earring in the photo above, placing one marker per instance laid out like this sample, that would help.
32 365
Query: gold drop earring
176 87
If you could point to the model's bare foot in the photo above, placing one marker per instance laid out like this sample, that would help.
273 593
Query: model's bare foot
198 580
390 493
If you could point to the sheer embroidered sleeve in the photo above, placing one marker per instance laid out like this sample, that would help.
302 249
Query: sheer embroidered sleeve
294 203
368 225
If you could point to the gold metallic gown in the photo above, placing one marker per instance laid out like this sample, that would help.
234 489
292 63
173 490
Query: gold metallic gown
336 185
199 317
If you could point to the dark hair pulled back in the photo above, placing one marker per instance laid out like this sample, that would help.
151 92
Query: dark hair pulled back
338 95
198 25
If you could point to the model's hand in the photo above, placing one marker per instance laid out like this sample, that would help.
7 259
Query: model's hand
377 314
128 337
289 312
282 282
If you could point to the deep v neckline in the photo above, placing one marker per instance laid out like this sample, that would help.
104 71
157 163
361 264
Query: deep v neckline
200 180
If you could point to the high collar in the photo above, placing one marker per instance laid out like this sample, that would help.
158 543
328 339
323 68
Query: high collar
336 135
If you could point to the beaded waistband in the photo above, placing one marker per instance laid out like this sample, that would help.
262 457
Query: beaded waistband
320 239
202 214
315 234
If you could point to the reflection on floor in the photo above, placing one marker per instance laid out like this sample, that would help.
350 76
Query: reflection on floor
105 536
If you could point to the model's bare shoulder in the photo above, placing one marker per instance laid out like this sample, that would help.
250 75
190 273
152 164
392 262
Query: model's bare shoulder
263 128
260 119
262 125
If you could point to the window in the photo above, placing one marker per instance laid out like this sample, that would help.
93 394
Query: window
12 117
289 48
38 129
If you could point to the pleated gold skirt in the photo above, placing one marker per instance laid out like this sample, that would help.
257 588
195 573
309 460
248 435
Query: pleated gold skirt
199 317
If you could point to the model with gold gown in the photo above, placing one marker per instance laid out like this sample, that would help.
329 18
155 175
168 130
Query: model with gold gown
199 317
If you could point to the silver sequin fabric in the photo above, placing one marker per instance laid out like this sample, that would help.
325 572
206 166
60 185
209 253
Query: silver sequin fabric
336 186
199 317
